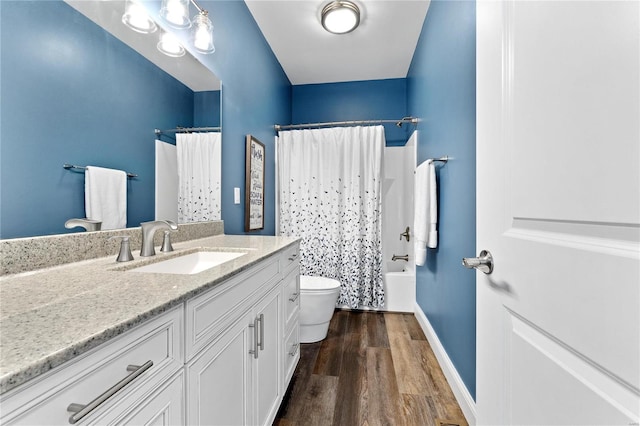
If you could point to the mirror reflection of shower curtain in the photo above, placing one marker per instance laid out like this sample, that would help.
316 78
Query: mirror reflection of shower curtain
199 174
330 196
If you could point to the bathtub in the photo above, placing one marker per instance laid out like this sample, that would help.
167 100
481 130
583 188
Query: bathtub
400 286
399 280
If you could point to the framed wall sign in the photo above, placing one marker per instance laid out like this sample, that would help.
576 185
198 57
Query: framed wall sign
254 185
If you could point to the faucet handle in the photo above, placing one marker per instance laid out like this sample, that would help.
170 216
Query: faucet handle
166 242
405 234
125 249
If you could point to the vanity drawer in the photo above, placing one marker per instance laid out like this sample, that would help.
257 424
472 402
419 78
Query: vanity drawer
155 347
291 297
291 353
209 314
290 259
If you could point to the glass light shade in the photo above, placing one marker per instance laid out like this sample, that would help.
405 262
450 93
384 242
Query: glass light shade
176 13
136 17
340 17
202 33
170 46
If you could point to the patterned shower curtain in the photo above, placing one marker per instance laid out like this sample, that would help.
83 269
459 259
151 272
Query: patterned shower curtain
198 176
329 184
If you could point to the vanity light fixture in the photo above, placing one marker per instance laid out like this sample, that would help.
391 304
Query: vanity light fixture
176 13
202 33
340 17
170 46
136 17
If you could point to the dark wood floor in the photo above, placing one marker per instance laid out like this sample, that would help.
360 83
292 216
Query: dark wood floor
372 369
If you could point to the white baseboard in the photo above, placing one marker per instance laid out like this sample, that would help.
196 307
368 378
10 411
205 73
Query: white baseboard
466 402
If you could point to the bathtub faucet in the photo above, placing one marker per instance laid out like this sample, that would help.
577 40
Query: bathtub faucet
396 257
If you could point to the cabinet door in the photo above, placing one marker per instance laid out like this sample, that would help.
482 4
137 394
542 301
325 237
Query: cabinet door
267 375
219 378
164 408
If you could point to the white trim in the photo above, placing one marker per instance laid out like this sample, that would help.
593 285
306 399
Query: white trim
277 187
466 402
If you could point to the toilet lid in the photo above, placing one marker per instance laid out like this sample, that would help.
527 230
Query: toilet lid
317 283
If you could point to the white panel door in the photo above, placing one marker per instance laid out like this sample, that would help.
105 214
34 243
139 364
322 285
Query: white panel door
558 190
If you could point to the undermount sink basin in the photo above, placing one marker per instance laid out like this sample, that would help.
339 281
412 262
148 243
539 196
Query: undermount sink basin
190 263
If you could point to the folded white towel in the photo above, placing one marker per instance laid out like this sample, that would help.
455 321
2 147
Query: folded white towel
105 196
425 216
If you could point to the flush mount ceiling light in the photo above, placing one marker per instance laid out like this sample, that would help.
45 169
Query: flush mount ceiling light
340 17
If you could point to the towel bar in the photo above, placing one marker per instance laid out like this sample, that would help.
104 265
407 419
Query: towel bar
71 166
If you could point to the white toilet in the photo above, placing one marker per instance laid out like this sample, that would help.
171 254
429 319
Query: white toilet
318 297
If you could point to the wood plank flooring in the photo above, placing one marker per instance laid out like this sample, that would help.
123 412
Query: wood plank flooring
372 369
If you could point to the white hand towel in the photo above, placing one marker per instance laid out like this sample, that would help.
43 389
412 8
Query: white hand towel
432 241
425 216
105 196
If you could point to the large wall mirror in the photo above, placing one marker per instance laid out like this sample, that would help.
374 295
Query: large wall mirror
76 89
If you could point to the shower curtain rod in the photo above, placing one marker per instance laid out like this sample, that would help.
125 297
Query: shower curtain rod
398 123
187 130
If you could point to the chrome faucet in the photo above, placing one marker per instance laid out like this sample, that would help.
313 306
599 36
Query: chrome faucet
87 224
396 257
148 231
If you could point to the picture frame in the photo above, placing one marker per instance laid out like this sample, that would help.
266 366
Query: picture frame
254 185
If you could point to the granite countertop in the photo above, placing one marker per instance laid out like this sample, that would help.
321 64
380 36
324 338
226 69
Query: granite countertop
51 315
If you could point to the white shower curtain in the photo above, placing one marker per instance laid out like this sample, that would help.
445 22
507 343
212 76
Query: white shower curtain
330 197
198 176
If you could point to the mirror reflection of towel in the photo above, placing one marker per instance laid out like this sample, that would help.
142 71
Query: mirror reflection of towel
105 196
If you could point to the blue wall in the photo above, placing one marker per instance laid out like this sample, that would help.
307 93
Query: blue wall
256 94
72 93
360 100
206 109
441 91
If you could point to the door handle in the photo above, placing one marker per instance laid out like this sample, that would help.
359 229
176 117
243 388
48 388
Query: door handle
483 263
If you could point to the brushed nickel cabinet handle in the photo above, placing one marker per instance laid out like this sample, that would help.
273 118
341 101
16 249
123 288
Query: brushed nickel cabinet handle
294 297
80 410
294 349
256 336
261 320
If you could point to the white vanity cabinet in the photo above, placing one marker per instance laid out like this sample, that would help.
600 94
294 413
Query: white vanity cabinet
150 357
223 357
235 376
291 311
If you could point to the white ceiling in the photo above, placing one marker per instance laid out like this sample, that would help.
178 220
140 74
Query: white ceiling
380 48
